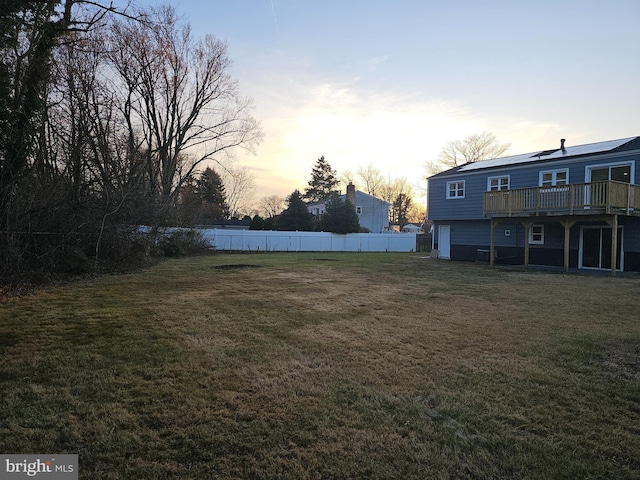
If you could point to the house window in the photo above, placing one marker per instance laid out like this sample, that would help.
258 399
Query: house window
455 189
552 178
495 184
359 210
616 172
536 235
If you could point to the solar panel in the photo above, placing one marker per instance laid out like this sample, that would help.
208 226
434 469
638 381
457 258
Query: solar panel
545 155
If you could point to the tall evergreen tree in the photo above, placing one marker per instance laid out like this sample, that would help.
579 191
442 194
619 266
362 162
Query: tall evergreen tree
340 216
296 216
210 191
257 223
323 181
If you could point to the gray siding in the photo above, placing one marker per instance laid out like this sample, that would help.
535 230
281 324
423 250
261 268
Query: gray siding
375 212
478 234
631 233
470 232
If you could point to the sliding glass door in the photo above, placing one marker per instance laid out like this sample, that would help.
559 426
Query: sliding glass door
595 248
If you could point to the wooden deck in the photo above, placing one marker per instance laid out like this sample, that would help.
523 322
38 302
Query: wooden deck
601 201
595 198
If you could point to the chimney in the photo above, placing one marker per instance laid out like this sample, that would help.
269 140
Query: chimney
351 193
564 150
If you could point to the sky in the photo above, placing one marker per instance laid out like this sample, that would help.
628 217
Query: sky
390 83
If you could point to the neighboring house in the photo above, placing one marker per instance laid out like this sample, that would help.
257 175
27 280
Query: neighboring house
316 208
575 207
411 228
373 213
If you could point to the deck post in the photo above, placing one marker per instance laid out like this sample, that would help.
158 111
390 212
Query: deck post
492 245
567 224
527 227
614 244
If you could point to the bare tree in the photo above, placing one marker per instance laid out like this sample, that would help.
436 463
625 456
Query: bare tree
100 120
390 189
372 179
239 184
400 210
30 31
272 206
475 148
417 213
180 97
347 177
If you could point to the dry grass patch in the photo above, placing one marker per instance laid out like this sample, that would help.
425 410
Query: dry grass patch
332 366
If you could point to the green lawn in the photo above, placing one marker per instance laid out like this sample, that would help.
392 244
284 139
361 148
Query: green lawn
327 366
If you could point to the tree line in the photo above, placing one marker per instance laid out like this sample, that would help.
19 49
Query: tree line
292 212
106 117
114 118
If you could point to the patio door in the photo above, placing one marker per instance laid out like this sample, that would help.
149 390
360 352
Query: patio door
444 241
595 248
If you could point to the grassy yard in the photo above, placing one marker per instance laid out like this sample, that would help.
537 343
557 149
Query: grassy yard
327 366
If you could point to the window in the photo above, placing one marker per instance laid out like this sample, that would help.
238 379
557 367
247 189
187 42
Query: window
359 210
616 172
621 174
495 184
536 235
552 178
455 189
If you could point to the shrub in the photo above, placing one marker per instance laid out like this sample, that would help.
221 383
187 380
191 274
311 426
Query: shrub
184 242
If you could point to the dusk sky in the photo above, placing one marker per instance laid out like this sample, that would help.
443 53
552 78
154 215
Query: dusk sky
389 83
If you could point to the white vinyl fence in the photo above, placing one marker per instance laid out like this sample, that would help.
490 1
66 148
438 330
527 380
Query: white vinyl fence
271 241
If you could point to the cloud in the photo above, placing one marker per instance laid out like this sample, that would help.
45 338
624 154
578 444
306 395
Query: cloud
373 63
353 126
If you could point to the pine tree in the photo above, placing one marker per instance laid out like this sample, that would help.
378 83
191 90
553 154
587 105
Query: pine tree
296 216
257 223
340 216
323 181
210 191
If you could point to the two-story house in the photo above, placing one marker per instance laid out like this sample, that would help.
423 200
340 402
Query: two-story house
570 206
373 212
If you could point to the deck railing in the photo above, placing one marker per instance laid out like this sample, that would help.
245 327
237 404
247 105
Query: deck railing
578 198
